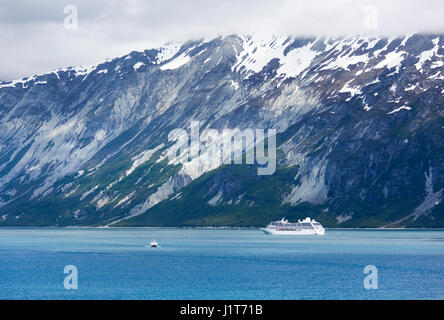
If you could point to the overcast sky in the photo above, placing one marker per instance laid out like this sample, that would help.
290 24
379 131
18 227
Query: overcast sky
33 38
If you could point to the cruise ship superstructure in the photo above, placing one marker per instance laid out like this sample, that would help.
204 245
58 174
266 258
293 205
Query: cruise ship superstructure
305 227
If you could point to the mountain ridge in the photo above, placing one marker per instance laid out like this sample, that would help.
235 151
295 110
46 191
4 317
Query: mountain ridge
359 122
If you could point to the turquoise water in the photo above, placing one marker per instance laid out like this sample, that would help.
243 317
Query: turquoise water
219 264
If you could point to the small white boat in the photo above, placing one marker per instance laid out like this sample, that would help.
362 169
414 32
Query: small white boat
305 227
154 244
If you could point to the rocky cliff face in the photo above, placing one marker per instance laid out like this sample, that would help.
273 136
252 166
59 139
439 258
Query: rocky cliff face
359 121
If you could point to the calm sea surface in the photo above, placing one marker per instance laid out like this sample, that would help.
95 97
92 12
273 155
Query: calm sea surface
219 264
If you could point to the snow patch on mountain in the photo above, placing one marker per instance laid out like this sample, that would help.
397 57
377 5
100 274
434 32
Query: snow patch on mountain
344 61
428 55
399 109
297 60
142 158
177 62
138 65
259 51
392 60
168 51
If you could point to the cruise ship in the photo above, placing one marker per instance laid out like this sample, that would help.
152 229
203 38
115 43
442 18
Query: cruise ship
305 227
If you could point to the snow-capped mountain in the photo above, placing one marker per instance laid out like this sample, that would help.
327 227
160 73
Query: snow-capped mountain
359 120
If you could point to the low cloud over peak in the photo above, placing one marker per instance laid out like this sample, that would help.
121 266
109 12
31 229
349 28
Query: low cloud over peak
35 40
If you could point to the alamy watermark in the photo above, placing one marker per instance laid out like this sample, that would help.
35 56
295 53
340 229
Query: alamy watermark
371 281
225 147
371 17
71 281
71 21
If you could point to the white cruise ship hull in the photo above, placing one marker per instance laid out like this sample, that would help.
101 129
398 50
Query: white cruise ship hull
293 232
